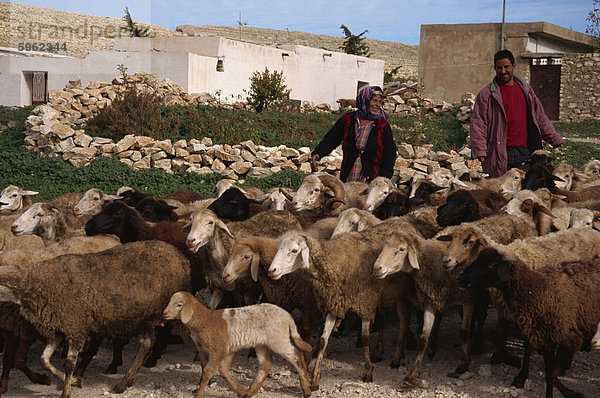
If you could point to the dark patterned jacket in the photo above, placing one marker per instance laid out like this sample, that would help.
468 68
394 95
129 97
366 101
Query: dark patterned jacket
379 155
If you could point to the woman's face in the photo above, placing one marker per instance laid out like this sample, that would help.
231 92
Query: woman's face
375 104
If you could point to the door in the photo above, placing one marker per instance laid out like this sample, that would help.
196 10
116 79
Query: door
38 92
545 81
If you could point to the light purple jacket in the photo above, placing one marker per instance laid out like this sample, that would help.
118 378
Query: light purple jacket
488 127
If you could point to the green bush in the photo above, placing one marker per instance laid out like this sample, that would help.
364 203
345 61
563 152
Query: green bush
269 89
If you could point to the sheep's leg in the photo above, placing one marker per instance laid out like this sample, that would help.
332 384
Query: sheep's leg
296 358
465 330
224 367
70 363
402 311
163 334
330 321
433 336
265 362
553 369
306 322
208 371
428 320
596 339
379 348
8 359
519 380
21 362
215 298
51 346
117 356
144 343
480 315
368 372
500 354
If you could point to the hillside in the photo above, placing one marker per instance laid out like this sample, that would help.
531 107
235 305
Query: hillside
393 53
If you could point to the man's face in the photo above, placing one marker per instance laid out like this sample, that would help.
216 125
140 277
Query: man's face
505 71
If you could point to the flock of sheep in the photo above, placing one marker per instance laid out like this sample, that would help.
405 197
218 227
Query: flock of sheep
83 268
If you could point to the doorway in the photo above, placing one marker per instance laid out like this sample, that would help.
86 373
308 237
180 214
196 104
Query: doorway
545 81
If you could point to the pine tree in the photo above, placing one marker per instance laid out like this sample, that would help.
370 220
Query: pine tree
135 29
354 44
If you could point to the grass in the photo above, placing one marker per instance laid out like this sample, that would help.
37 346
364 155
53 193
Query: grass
53 176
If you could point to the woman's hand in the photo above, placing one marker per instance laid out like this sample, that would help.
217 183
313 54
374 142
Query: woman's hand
313 162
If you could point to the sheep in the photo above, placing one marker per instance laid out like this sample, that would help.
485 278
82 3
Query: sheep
131 196
511 182
252 256
233 205
539 177
436 288
534 207
206 229
353 219
226 183
591 168
155 210
276 199
323 228
46 221
325 193
70 296
219 334
463 205
14 199
92 201
340 271
18 335
396 203
184 196
536 251
555 306
377 190
584 218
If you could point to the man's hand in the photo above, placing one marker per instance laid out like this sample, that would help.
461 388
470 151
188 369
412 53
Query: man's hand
313 162
481 159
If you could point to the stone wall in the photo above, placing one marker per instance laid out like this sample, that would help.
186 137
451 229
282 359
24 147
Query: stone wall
580 87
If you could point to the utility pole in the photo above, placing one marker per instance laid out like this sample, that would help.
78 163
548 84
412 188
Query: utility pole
240 24
502 34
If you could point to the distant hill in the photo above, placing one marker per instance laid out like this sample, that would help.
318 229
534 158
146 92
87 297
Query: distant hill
393 53
77 34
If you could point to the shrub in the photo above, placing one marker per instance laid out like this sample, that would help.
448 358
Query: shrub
267 89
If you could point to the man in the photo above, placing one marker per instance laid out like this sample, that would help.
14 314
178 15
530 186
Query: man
508 121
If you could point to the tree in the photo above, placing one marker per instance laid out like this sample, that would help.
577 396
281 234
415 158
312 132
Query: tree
354 44
134 29
267 89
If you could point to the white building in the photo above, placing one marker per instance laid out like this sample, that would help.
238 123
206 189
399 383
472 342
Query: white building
212 65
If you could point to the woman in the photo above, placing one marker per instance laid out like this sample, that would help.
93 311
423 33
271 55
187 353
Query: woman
367 141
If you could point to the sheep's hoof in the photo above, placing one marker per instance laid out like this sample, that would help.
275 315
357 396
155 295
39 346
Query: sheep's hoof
410 380
519 381
376 357
76 382
119 388
477 347
150 362
509 360
367 378
39 378
394 364
112 369
175 339
314 387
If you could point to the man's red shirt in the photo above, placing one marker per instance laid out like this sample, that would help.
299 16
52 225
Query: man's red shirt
515 108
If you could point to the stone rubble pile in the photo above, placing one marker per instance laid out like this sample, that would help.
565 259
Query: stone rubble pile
55 130
403 99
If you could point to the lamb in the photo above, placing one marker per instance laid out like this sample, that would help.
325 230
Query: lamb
353 219
206 229
463 205
591 168
92 202
323 193
330 264
436 288
252 256
539 177
14 199
276 199
219 334
554 306
70 296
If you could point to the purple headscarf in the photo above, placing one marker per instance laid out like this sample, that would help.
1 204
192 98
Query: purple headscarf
362 103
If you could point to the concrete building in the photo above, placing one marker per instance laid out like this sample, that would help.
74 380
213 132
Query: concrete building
455 59
199 64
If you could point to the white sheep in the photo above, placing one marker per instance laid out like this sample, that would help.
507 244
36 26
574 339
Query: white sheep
14 199
92 201
377 191
327 194
219 334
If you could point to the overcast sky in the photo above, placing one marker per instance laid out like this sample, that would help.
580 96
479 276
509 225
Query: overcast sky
390 20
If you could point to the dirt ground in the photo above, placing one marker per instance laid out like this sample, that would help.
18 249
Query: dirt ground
177 376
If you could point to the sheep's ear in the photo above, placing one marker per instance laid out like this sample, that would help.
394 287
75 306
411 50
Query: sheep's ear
362 225
28 193
222 225
186 313
456 181
7 294
187 226
112 198
305 251
262 198
503 271
542 209
135 222
365 192
254 266
413 259
445 238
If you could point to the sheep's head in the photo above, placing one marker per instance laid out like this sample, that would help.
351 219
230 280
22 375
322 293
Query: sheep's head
179 307
319 191
242 258
584 218
511 182
276 199
465 244
490 269
116 218
12 197
351 220
566 173
399 254
592 167
460 206
377 191
223 185
203 225
28 223
92 201
292 254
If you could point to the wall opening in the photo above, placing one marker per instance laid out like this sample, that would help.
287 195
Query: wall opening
544 77
361 85
220 66
34 91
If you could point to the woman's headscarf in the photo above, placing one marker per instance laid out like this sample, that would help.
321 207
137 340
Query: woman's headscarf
362 103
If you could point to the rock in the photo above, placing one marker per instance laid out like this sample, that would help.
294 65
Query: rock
241 167
289 152
125 143
305 168
143 141
83 140
62 131
485 370
258 172
163 164
227 157
80 156
206 141
166 146
64 146
406 151
218 166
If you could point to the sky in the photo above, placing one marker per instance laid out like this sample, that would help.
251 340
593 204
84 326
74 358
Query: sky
390 20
